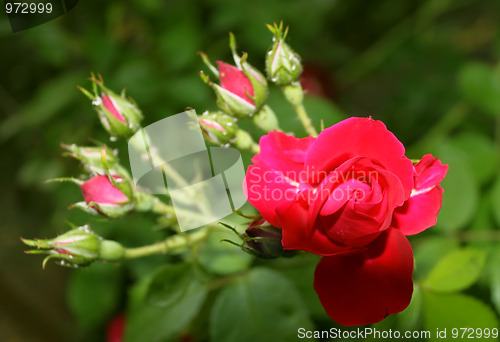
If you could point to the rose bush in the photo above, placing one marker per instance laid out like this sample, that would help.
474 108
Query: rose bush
350 195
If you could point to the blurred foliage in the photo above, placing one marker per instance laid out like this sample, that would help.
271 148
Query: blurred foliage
429 69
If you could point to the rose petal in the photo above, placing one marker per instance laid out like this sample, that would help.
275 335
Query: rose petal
364 288
100 190
235 81
110 105
419 212
361 137
429 172
267 189
298 232
284 153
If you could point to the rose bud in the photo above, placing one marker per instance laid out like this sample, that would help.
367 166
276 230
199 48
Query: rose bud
119 115
218 128
283 65
77 247
242 90
263 240
92 158
106 197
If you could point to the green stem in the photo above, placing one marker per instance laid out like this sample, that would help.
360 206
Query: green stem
173 245
305 119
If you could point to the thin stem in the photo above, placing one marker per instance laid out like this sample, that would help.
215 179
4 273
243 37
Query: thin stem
305 119
174 244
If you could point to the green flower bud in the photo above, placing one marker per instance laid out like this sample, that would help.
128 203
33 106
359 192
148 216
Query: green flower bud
283 65
77 247
263 240
218 128
92 159
119 115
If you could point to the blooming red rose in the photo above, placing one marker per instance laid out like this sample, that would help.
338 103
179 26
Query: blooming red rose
100 190
336 195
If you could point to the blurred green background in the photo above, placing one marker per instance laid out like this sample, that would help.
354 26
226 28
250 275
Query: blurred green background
428 69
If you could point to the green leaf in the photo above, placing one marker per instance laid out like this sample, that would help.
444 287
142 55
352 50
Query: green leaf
94 293
495 200
49 101
300 271
481 86
169 284
261 306
495 277
480 155
457 271
147 322
428 251
449 311
461 191
221 257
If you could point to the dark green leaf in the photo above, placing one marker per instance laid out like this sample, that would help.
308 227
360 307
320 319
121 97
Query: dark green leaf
261 306
480 155
428 251
495 277
222 257
461 191
94 293
495 200
146 322
169 284
481 86
449 311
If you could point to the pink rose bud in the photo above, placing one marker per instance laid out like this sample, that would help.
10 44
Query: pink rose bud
100 190
218 128
77 247
106 197
242 90
119 115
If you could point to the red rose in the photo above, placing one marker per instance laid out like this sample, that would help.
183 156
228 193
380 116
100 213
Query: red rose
337 196
100 190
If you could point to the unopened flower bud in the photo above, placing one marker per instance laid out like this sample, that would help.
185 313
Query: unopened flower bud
283 65
77 247
110 198
218 128
263 240
119 115
98 160
242 90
